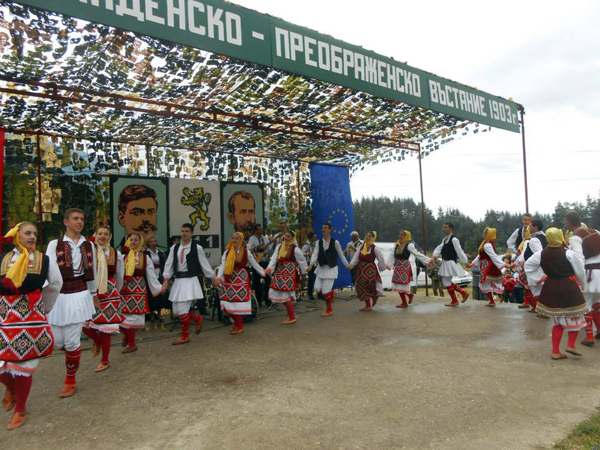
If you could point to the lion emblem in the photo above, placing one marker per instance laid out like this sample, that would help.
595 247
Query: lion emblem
197 199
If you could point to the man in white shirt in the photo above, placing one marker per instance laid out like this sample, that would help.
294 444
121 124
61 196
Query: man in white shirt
351 248
326 254
518 235
77 301
258 244
451 251
185 261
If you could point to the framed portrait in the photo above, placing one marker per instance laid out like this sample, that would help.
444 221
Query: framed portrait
197 202
139 204
242 206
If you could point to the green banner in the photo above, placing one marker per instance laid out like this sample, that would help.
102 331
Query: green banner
231 30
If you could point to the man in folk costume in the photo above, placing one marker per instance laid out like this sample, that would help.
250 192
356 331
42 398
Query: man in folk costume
536 242
561 297
29 285
368 280
110 272
491 266
234 275
403 276
518 236
185 262
139 278
259 245
586 243
519 265
286 265
326 254
451 251
77 302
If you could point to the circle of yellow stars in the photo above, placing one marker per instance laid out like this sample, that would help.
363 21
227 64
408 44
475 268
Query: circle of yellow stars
346 223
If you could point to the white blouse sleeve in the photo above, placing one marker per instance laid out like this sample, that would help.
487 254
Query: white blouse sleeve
53 285
221 268
168 272
340 253
91 285
204 264
533 269
315 256
253 264
578 267
151 277
300 259
274 257
489 249
120 274
459 250
380 259
354 261
576 245
438 250
420 256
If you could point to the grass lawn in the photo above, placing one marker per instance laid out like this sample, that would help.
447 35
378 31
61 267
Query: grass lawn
585 436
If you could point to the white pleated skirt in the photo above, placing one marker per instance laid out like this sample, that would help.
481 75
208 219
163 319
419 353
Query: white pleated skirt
72 308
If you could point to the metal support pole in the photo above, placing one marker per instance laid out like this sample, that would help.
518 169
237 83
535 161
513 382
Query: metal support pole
39 180
423 221
300 214
147 160
231 168
522 111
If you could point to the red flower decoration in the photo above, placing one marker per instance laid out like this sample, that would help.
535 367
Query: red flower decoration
92 239
6 240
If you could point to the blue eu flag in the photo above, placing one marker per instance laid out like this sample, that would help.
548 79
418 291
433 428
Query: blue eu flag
332 202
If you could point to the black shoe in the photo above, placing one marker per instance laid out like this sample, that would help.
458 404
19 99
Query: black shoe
268 302
311 298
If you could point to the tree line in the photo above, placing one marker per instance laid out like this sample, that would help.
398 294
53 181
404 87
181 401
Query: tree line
389 216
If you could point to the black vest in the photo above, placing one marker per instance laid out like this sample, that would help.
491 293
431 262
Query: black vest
519 237
449 252
529 253
193 265
32 282
329 257
405 253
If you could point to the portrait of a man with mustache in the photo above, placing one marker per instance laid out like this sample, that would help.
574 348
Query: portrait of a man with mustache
138 210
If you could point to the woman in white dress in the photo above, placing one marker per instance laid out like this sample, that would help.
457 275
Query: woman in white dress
234 275
286 265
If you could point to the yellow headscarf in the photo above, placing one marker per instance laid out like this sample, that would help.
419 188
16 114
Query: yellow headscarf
130 259
283 249
368 242
555 237
402 242
230 260
490 235
18 270
102 274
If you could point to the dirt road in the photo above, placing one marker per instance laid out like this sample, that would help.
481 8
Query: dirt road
428 377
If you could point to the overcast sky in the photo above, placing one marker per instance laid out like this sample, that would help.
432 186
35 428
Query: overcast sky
546 55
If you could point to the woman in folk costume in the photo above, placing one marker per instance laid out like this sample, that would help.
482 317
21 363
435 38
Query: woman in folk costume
491 266
529 299
139 276
110 271
29 285
561 297
235 278
368 280
404 272
286 265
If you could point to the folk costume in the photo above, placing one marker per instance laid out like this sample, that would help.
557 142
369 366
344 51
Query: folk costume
561 297
368 280
491 267
536 242
287 265
451 252
185 262
405 274
74 305
161 301
110 272
586 243
29 285
139 278
326 254
236 288
254 244
529 299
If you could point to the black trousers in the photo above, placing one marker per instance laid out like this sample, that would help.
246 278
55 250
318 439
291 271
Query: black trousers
311 282
257 284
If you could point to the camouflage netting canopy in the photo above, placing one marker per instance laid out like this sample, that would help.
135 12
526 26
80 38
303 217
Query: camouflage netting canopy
107 101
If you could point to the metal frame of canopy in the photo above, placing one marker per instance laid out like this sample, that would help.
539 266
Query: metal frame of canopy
103 99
